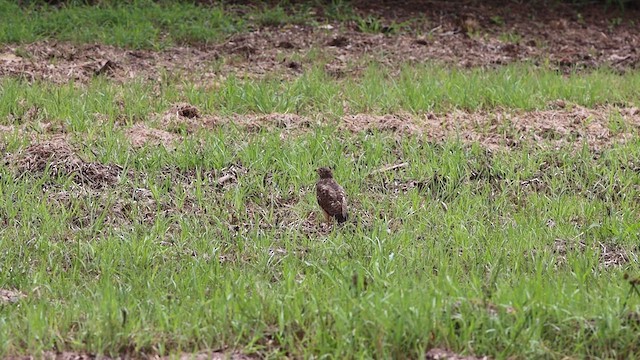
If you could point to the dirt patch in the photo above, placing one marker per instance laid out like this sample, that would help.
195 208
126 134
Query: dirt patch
610 254
215 356
271 121
141 135
104 195
64 355
229 174
31 120
23 114
175 121
572 125
396 123
61 62
510 129
35 131
442 354
67 355
58 159
133 201
185 118
458 33
496 32
599 128
10 296
7 129
557 127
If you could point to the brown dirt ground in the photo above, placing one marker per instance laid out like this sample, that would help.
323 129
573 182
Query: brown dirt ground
68 355
459 33
433 354
442 354
611 255
141 135
564 124
10 296
599 128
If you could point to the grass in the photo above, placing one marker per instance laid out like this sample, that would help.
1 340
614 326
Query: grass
467 260
416 89
144 24
507 254
136 24
469 263
147 24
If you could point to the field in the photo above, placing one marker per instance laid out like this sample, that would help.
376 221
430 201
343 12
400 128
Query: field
157 187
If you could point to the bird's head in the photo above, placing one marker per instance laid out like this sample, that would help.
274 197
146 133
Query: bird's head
325 173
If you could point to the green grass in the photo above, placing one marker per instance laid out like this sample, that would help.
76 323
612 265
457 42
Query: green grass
416 89
442 264
136 24
499 254
428 264
145 24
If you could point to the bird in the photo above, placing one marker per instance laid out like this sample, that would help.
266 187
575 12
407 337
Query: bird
331 196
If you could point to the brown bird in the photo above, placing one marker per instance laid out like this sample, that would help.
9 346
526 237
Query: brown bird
331 196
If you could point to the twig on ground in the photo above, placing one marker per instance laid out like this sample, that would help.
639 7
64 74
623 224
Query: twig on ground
225 178
389 168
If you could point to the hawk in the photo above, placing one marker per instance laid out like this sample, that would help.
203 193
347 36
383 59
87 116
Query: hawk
331 196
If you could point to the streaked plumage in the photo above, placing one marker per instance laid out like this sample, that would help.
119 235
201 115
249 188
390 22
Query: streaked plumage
331 196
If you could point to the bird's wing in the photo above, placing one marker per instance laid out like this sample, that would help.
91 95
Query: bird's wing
331 197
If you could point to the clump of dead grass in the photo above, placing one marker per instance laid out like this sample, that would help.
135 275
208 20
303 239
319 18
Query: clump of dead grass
443 354
140 135
10 296
56 158
270 121
393 122
184 117
611 254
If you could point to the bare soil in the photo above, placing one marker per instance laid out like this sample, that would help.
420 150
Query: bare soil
68 355
10 296
567 124
433 354
458 33
562 125
141 135
611 255
443 354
